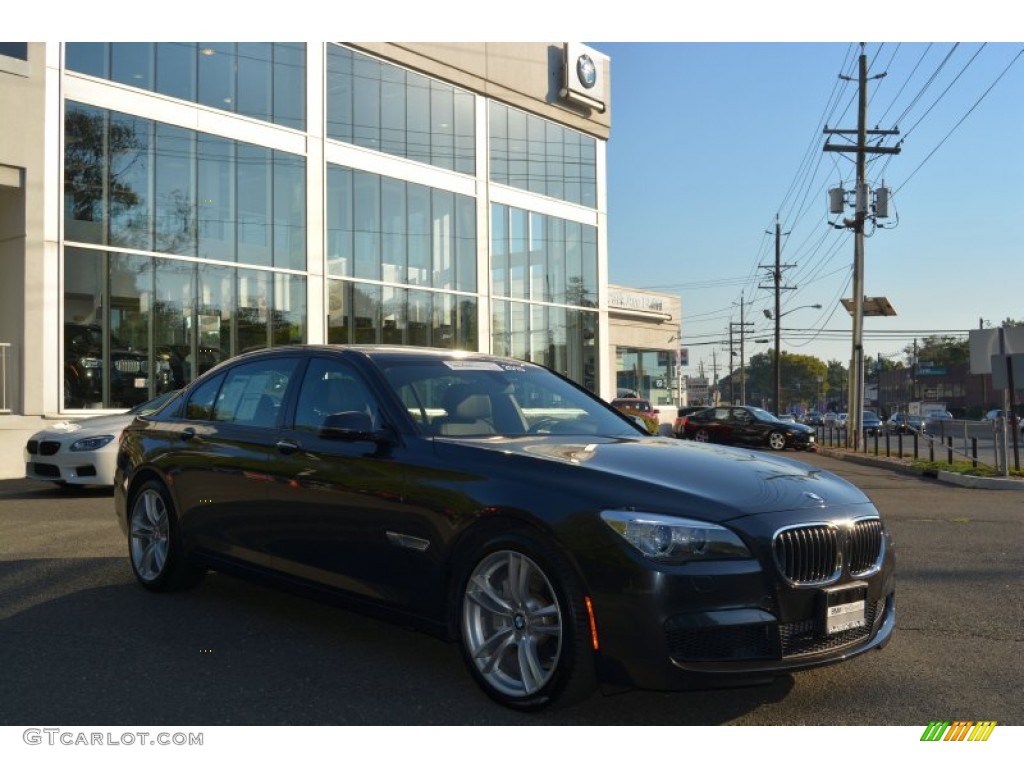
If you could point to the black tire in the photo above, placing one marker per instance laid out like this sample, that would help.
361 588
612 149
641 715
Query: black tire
776 441
155 551
532 650
702 436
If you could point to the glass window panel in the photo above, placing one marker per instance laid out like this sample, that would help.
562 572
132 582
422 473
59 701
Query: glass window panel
255 204
213 333
255 80
556 260
572 167
423 331
393 218
289 316
339 93
557 358
540 340
588 171
501 334
200 403
498 118
127 374
574 288
217 62
499 250
536 155
289 211
366 102
555 160
419 230
366 311
392 110
442 125
84 319
173 320
467 323
252 392
339 221
339 312
518 228
216 195
86 155
393 315
290 85
366 218
89 58
588 256
132 64
443 238
465 243
465 133
254 310
174 193
538 258
131 215
517 149
519 330
176 69
417 116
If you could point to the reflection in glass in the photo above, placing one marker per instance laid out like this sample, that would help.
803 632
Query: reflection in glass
131 224
254 310
339 221
132 64
289 211
175 190
255 204
216 195
173 307
176 65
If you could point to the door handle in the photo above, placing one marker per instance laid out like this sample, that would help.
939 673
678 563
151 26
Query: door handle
287 446
188 433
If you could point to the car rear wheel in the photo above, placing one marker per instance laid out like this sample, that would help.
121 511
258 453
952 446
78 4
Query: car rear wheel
525 626
776 441
154 542
702 436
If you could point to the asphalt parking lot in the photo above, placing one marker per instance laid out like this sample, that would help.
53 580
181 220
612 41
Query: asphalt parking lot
84 645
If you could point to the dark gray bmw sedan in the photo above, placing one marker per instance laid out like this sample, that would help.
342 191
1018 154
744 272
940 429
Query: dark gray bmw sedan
499 505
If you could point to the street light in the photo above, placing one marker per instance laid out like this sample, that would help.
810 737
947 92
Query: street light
778 335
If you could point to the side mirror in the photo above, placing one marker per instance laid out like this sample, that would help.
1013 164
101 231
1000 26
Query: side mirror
348 425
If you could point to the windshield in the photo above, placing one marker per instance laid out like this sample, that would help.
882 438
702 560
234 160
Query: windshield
154 405
763 415
474 398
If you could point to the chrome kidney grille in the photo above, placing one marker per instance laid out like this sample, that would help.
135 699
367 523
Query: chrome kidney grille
815 554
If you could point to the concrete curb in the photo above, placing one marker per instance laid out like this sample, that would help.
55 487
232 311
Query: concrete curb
951 478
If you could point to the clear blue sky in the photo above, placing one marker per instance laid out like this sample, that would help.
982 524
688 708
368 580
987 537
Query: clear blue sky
710 141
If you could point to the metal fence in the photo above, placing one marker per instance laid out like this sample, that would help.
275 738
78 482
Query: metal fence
950 440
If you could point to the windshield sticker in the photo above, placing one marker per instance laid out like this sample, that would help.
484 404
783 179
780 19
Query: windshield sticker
472 365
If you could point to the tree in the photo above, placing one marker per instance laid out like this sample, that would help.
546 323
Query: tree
941 350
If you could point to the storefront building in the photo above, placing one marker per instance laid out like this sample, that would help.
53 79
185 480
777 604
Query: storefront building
165 206
644 329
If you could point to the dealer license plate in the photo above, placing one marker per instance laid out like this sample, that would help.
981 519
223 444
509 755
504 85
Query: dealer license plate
845 608
141 383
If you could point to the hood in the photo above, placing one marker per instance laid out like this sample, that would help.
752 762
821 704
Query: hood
95 425
721 482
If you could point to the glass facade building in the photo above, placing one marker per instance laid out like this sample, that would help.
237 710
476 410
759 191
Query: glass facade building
217 198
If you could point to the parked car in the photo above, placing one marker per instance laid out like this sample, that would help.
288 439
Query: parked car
85 368
83 451
638 406
871 423
906 424
998 414
678 428
812 419
502 506
746 425
834 420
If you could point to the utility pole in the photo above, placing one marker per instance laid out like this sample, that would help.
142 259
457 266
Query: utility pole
732 385
856 376
777 281
742 324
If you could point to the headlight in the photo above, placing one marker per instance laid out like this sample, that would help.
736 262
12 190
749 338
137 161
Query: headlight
91 443
674 539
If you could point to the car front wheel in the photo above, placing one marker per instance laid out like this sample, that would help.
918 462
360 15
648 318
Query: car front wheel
776 441
154 542
525 626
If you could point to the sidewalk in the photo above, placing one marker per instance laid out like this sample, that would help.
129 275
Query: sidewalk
905 466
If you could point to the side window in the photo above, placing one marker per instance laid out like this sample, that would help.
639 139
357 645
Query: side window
200 404
333 386
253 393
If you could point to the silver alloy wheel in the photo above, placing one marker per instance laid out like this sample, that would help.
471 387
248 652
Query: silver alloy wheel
512 623
150 535
701 436
777 441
